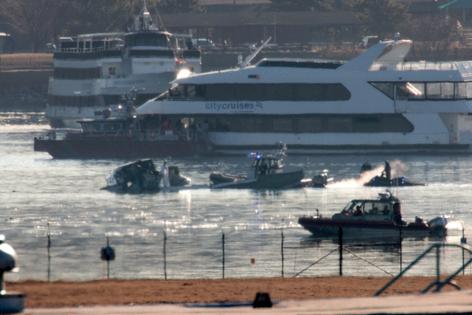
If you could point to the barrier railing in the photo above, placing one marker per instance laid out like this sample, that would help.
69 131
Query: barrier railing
437 282
226 254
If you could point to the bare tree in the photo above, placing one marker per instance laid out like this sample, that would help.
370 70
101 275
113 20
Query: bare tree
34 18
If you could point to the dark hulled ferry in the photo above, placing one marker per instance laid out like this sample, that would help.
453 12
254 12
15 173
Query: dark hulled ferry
101 139
120 135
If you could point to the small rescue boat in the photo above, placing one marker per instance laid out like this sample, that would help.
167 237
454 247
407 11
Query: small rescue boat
268 172
380 217
318 181
385 179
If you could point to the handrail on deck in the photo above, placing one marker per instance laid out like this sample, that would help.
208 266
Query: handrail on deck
439 284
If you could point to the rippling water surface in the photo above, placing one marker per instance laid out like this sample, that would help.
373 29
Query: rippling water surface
37 191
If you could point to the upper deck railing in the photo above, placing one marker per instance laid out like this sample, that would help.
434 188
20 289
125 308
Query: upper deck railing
88 50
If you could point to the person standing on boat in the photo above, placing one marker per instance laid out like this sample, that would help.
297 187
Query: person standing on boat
397 214
388 171
165 175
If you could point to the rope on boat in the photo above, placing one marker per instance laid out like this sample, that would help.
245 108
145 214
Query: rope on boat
369 262
314 263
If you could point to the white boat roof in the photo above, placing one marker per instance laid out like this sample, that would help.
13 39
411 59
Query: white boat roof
94 35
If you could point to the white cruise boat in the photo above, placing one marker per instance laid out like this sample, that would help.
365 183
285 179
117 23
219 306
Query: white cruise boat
376 102
93 71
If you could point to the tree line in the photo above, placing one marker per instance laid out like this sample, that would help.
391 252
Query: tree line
40 21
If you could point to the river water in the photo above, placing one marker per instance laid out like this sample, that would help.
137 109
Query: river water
41 196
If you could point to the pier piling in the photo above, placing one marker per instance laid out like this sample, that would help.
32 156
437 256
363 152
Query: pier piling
48 248
282 239
164 254
223 255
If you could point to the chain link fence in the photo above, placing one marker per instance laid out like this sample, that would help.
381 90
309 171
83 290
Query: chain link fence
216 255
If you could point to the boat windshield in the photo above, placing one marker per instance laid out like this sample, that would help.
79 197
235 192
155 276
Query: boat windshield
374 208
368 207
352 206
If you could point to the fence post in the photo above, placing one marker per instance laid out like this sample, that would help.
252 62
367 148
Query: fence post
107 254
340 242
48 246
223 255
438 263
164 253
282 252
463 242
108 261
400 230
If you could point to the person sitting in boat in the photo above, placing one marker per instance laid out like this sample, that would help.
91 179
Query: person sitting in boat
358 211
167 127
263 167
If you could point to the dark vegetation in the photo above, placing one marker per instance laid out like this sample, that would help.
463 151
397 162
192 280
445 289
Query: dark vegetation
33 23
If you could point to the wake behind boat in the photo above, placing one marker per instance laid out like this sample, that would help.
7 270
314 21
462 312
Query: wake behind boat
380 217
267 172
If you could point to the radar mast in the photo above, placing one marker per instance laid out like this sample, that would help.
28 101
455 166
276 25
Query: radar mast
144 22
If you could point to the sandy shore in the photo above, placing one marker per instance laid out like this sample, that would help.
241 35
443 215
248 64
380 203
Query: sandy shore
125 292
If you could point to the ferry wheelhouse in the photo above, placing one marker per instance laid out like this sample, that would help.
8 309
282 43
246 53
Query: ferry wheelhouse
375 102
93 71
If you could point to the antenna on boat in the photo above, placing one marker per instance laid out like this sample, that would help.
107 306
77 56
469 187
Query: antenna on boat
251 57
160 22
143 22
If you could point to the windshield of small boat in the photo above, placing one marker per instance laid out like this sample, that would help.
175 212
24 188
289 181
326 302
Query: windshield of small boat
351 206
368 207
378 208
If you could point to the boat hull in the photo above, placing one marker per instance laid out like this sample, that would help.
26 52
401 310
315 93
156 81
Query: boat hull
427 149
117 148
330 228
282 180
379 181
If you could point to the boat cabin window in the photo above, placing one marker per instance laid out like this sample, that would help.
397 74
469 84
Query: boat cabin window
378 208
94 127
354 208
425 90
357 208
77 73
262 92
147 39
321 123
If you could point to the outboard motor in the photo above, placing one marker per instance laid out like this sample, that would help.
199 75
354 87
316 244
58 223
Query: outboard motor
438 225
320 180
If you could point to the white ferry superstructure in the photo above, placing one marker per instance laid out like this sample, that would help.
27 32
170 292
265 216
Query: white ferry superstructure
376 102
92 72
